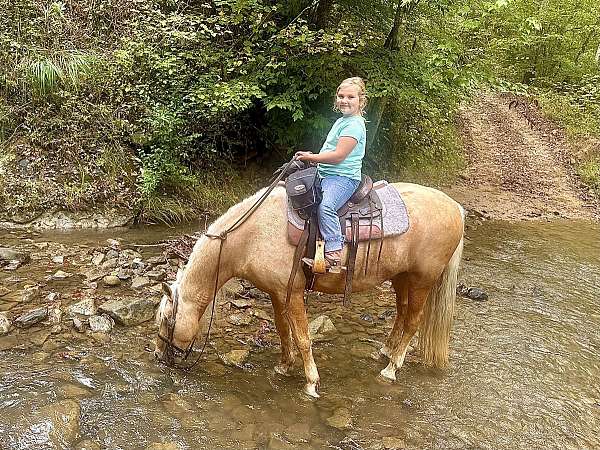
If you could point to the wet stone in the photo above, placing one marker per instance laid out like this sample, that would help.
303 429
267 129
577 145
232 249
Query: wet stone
156 275
8 342
130 311
4 291
341 419
58 259
321 325
277 442
58 423
124 274
235 357
78 324
31 293
233 288
32 317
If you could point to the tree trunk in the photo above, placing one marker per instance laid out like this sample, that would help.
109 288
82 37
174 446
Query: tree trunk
376 110
392 41
323 13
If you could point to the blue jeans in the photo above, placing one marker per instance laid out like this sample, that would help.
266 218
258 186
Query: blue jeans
336 191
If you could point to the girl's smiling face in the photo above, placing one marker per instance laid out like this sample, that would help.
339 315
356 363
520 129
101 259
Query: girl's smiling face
348 100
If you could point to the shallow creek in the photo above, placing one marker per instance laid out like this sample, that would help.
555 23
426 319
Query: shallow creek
524 369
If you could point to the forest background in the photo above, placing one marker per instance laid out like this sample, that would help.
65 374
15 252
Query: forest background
172 108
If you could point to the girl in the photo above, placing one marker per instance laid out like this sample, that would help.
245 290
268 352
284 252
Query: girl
340 164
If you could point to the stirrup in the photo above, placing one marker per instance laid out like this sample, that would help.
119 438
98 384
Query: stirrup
329 267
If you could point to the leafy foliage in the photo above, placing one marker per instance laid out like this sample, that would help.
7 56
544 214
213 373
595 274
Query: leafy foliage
135 103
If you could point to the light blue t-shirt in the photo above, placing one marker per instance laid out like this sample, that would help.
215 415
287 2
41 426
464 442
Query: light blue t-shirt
352 126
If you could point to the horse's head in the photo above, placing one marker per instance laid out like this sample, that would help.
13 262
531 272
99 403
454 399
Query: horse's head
175 336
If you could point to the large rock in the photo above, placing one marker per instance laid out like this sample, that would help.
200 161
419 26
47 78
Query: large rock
320 327
130 311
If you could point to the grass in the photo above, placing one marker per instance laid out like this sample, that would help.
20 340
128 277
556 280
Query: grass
581 120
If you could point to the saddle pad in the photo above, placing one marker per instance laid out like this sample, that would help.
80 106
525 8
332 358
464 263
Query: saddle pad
395 217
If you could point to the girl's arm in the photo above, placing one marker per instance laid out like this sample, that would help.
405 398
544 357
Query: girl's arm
343 148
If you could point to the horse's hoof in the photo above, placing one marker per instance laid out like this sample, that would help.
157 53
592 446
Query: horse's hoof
311 390
387 375
282 369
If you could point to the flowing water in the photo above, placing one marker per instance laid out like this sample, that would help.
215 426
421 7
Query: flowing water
524 370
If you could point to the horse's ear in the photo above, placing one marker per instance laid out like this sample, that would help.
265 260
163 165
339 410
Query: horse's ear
167 291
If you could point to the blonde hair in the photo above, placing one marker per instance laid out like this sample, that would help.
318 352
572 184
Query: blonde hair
359 84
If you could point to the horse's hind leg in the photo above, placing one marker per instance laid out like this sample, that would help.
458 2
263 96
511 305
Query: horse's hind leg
401 289
285 336
414 313
296 315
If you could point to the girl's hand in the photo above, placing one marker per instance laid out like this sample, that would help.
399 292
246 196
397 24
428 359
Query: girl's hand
305 156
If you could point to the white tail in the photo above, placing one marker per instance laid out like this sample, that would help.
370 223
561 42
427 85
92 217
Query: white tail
434 336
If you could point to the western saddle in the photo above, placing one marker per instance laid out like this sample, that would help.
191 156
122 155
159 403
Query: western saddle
356 219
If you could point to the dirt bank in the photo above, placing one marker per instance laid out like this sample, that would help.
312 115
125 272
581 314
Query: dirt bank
519 165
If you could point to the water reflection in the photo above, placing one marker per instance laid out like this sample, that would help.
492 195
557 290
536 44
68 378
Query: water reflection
524 369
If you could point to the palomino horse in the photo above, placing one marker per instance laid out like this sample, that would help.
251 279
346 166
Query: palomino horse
422 265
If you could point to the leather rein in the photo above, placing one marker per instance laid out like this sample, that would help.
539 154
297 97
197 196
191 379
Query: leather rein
172 350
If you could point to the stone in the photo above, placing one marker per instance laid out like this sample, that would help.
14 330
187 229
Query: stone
94 275
101 324
8 254
233 288
341 419
131 311
393 443
321 325
4 291
31 293
140 282
5 324
58 423
111 280
78 324
61 275
260 314
52 297
58 259
235 357
156 275
477 294
239 319
241 303
113 243
55 313
85 307
109 264
41 245
32 317
124 274
98 258
74 391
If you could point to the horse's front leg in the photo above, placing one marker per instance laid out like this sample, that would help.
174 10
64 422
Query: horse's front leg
285 336
296 315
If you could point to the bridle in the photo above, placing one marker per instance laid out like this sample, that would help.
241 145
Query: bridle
172 350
